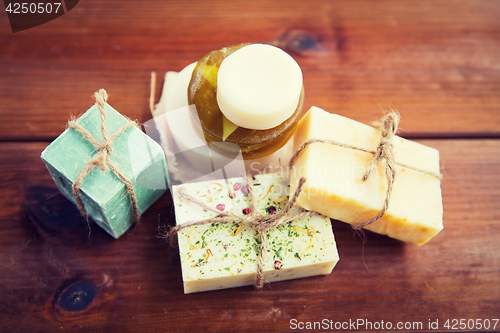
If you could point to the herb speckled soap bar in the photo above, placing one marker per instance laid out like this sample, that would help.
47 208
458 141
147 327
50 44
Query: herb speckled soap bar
218 256
104 196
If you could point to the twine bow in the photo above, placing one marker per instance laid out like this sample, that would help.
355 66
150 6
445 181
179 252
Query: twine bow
262 223
102 158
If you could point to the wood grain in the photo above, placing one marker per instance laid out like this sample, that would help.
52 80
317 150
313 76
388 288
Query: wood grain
46 250
437 63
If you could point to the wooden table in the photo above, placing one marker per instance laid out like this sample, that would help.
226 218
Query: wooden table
436 62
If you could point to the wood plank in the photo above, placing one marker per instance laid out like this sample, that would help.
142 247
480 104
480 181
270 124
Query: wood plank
49 263
437 63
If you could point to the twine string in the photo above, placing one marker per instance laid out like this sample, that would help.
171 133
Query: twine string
102 158
388 129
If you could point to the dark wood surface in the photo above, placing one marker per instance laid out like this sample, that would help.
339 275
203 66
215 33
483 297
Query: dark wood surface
438 63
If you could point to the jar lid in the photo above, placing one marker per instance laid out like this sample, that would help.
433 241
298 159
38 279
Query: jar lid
258 86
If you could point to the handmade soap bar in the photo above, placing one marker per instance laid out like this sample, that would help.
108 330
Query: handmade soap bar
105 196
258 86
334 185
218 256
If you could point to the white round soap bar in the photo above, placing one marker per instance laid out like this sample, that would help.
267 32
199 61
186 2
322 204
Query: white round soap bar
258 86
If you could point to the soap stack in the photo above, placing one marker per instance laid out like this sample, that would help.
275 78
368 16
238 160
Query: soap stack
215 256
342 169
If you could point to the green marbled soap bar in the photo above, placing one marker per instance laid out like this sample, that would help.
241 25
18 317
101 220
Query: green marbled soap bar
104 196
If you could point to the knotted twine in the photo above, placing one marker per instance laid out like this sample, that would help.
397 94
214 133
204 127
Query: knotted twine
262 223
102 158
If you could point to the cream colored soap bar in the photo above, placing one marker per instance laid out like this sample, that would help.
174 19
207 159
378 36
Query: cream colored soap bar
334 185
258 86
219 256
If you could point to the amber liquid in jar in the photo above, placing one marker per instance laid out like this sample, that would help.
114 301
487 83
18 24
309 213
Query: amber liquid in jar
202 92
